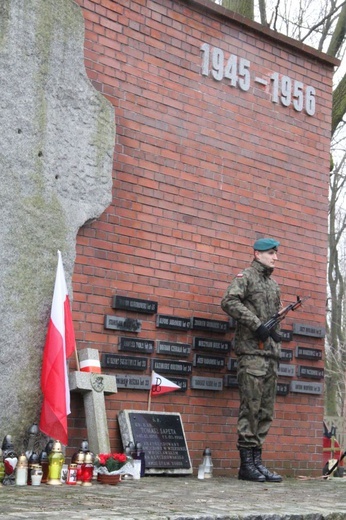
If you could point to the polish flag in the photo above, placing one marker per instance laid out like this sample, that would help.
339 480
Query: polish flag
59 345
160 385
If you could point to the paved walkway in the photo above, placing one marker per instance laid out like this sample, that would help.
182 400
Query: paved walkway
179 498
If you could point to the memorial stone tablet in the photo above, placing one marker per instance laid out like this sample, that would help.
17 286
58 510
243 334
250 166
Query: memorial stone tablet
213 345
117 323
230 381
173 349
308 353
286 354
134 304
286 335
208 362
232 365
282 388
310 372
173 322
162 437
206 383
123 362
145 346
133 382
171 367
309 330
286 370
304 387
210 325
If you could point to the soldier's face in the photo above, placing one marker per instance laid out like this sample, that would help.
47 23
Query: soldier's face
267 258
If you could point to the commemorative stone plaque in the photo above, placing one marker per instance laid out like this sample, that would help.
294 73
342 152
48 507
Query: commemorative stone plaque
173 322
173 349
133 382
286 370
144 346
304 387
124 362
309 330
210 325
134 304
222 347
282 388
162 437
171 367
232 364
117 323
230 381
286 335
310 372
286 354
206 383
182 382
308 353
208 362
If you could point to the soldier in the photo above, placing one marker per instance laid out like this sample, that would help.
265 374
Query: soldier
251 299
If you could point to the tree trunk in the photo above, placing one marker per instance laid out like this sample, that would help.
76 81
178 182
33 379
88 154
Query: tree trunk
243 7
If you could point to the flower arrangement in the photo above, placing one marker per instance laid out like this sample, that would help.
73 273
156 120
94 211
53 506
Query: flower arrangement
109 463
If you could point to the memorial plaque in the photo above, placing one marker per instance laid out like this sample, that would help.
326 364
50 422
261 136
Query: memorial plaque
123 362
212 345
309 330
133 382
144 346
162 437
310 372
210 325
232 365
286 354
286 370
171 367
173 349
206 383
232 323
208 362
282 388
308 353
173 322
303 387
286 335
183 383
116 323
230 381
134 304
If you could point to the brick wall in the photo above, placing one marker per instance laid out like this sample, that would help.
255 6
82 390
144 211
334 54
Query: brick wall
201 169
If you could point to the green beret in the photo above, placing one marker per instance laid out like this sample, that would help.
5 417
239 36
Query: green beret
264 244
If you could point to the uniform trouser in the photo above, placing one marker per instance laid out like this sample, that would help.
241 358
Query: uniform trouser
257 377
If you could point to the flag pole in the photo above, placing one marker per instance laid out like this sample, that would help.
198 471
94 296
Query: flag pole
151 384
77 360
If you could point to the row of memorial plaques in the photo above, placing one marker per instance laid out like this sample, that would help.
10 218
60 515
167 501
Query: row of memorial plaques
180 323
135 382
171 348
287 370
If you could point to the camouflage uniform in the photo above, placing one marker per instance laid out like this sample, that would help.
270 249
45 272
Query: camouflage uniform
252 298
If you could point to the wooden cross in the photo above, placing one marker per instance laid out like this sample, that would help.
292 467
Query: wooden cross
94 386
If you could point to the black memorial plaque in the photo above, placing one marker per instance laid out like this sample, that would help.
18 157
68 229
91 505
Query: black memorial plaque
232 365
286 335
133 382
123 362
282 388
213 345
310 372
162 438
286 354
144 346
173 322
308 353
134 304
171 367
210 325
117 323
173 349
308 330
183 383
230 381
208 362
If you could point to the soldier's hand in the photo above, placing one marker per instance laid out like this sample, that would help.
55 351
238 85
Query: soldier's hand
262 333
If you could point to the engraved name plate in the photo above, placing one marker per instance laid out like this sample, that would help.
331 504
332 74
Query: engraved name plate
308 353
286 370
286 354
171 367
173 349
282 389
123 362
304 387
206 383
210 325
117 323
212 345
309 330
173 322
230 381
208 362
136 345
134 304
310 372
133 382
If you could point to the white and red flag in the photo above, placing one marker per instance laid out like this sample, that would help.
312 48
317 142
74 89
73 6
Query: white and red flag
59 346
160 385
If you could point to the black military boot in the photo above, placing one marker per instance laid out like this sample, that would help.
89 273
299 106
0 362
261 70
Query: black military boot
247 470
269 476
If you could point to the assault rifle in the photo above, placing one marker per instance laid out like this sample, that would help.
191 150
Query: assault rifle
279 316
